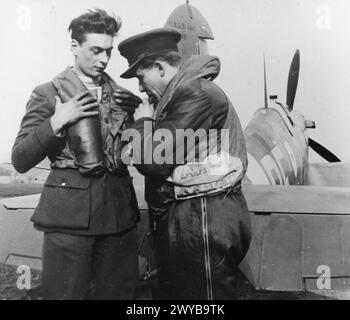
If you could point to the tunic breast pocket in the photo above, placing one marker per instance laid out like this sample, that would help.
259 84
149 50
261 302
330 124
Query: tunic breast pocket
65 201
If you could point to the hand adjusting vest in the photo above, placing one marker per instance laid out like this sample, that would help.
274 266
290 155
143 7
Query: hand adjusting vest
94 142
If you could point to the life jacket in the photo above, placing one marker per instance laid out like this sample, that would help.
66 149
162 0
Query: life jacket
221 166
94 142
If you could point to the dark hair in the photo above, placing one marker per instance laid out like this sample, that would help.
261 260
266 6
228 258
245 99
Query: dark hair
94 21
171 57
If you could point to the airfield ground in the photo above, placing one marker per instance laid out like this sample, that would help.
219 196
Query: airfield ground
9 291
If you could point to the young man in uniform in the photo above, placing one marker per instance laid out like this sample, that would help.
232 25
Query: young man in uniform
88 210
192 151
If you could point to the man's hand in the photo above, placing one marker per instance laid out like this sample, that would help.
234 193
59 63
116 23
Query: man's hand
127 100
77 108
144 110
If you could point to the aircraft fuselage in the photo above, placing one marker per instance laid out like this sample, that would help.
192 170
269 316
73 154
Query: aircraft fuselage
277 146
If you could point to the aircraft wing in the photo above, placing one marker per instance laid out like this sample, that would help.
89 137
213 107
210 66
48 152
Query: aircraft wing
296 229
328 174
260 198
297 199
297 232
20 243
24 202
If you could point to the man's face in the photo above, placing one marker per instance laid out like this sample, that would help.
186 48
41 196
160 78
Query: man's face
151 82
92 56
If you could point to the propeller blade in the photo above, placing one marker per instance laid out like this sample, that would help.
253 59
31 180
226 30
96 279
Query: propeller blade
293 79
265 85
323 152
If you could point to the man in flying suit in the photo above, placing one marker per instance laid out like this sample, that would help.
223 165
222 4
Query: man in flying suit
191 149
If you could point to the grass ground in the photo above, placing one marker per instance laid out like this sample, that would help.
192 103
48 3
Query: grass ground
8 285
9 291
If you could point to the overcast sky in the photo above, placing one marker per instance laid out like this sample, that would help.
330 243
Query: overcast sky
35 48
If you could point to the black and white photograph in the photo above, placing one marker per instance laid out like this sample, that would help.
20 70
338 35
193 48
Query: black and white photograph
190 151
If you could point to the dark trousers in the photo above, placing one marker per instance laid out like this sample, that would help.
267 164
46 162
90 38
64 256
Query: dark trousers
94 267
199 244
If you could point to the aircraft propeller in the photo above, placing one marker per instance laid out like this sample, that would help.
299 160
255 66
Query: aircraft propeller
322 151
293 79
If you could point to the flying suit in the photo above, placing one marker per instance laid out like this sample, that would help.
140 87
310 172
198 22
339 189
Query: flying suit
199 218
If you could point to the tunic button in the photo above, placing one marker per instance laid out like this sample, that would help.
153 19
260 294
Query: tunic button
63 184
